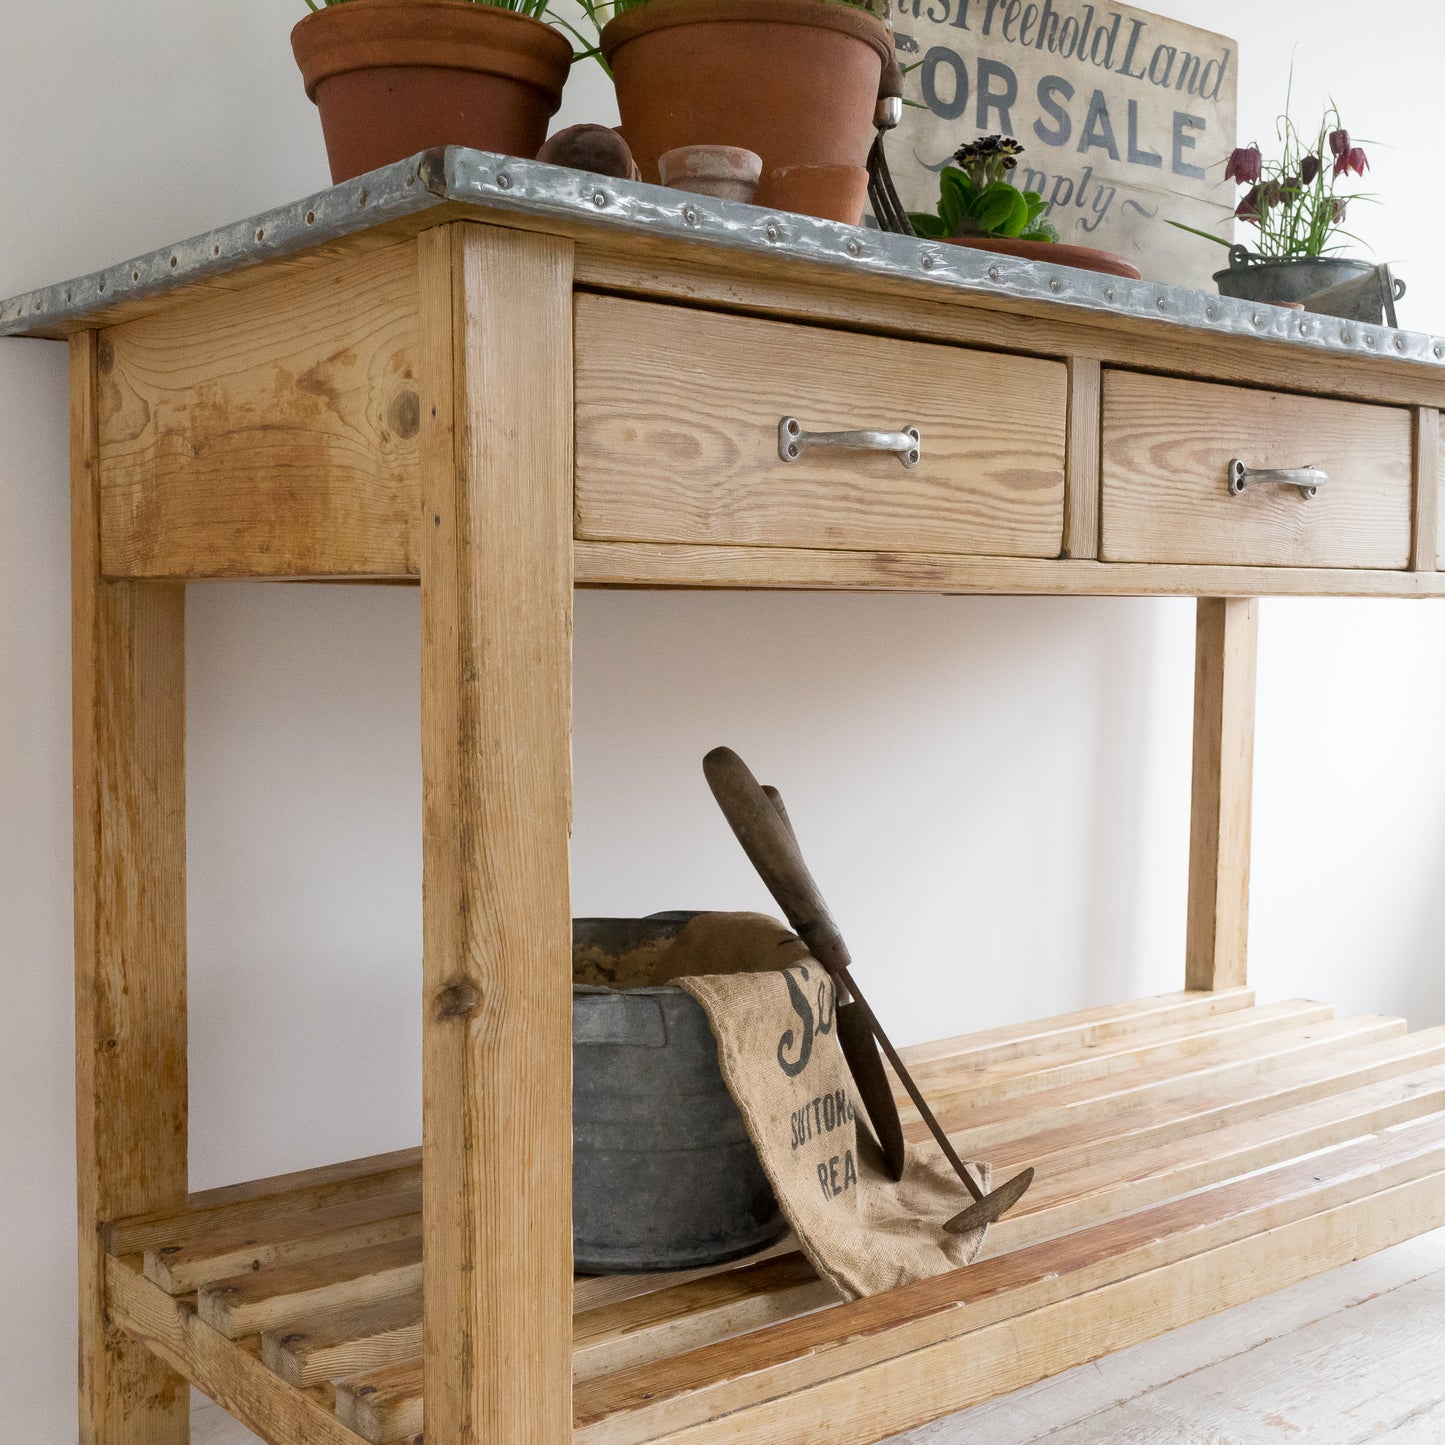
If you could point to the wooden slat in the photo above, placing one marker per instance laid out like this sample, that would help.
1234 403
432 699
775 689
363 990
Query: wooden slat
496 786
178 1268
267 432
275 1295
662 564
793 1364
591 1292
654 1326
1020 1352
1217 933
1424 537
128 717
1018 1078
383 1405
263 1201
1063 1199
1095 1025
332 1344
1081 483
1172 1114
228 1372
983 1126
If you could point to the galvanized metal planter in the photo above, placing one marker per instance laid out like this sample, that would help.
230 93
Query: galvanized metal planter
664 1175
1326 285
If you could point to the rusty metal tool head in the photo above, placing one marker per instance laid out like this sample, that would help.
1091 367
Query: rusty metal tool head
768 840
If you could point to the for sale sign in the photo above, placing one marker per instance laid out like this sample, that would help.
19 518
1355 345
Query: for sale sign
1125 118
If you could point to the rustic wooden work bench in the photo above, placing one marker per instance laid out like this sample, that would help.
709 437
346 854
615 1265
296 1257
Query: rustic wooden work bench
503 380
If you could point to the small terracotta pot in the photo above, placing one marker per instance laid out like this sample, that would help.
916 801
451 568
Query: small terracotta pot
836 193
795 81
394 77
1081 258
727 172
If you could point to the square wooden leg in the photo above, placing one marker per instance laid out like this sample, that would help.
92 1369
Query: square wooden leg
130 937
1224 658
496 715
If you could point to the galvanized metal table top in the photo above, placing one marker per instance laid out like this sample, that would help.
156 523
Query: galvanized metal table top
503 185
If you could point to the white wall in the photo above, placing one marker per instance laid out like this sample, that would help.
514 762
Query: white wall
993 792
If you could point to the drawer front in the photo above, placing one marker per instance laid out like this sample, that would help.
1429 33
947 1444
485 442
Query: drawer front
1167 449
677 437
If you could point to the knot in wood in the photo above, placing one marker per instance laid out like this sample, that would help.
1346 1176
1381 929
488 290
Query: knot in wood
457 1000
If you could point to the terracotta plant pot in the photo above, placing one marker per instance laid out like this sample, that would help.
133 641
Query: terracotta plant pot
836 193
795 81
394 77
1081 258
727 172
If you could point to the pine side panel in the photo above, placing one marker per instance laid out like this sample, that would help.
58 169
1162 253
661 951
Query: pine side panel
1219 821
496 700
128 716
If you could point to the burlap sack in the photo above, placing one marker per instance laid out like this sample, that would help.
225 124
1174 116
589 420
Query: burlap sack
781 1060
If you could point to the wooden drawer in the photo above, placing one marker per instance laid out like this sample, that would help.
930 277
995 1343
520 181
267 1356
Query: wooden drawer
677 437
1167 446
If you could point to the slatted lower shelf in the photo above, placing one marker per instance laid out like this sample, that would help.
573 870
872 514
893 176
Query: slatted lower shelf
1193 1151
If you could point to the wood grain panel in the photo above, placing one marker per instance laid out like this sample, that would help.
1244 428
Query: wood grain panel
267 432
677 436
129 721
496 605
1166 453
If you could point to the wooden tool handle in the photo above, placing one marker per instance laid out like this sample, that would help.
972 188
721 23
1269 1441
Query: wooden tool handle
769 843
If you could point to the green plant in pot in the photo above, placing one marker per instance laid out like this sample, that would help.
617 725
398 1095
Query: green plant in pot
979 206
794 81
394 77
1296 206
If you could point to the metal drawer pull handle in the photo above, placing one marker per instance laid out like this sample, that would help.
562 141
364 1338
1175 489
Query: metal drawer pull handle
1308 479
793 441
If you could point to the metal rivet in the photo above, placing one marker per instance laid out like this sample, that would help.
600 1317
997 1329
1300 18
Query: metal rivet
1369 340
599 198
1347 336
1399 343
504 181
68 297
363 198
771 233
260 233
411 180
927 263
216 249
1055 285
1257 319
1211 313
993 273
1439 352
100 285
175 261
1304 328
310 218
689 215
1162 304
854 249
1108 293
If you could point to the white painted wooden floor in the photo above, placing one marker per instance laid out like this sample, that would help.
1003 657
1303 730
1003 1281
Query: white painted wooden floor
1356 1355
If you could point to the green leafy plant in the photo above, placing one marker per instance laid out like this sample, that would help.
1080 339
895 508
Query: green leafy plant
976 198
1294 202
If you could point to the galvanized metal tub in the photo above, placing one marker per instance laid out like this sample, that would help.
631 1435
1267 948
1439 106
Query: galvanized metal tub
664 1175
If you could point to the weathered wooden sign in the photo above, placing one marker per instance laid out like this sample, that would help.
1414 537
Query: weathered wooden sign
1124 117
